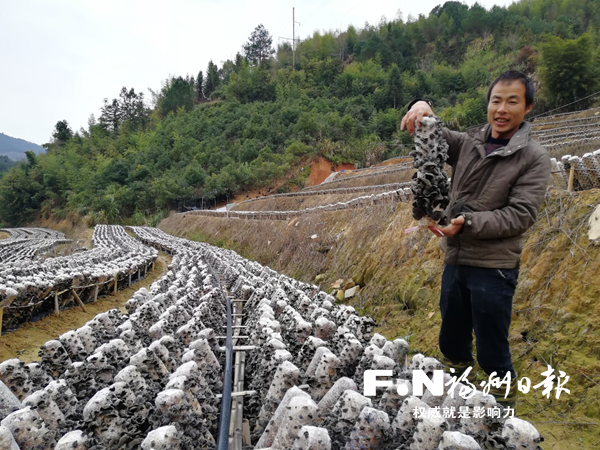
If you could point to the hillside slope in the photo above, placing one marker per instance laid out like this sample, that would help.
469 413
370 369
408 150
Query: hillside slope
555 308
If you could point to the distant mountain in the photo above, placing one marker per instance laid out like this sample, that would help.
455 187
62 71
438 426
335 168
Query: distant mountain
15 148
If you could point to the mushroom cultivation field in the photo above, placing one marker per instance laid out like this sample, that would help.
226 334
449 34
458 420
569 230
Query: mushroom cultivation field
567 130
24 244
30 286
158 377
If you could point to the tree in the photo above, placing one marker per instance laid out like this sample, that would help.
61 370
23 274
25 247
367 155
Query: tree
129 107
5 164
259 46
31 158
567 69
176 93
21 192
62 132
213 79
395 85
133 108
200 87
111 118
250 86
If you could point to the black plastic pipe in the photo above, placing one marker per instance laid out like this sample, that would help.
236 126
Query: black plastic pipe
223 436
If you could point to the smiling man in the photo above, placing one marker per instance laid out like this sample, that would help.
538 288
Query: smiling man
499 180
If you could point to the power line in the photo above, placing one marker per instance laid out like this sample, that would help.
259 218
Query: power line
349 11
316 10
564 106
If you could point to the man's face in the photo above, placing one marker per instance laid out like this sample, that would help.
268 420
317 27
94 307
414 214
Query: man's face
506 108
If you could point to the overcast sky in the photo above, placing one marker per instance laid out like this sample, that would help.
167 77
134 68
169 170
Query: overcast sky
60 58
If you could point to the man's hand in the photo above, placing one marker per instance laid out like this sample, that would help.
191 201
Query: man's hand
454 227
416 113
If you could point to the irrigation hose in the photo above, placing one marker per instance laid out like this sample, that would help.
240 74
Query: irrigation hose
223 436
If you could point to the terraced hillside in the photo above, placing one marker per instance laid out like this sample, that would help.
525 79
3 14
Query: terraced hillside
569 133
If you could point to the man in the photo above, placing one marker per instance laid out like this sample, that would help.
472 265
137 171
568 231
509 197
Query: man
499 180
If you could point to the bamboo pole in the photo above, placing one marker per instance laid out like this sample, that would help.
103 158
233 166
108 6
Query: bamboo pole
571 179
79 300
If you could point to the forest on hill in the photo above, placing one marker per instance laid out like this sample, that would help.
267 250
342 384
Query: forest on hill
5 164
244 123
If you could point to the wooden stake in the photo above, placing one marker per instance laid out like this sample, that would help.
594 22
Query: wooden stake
96 293
116 279
56 308
246 432
1 316
571 179
129 279
79 300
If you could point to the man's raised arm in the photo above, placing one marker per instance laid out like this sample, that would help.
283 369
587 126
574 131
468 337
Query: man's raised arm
417 111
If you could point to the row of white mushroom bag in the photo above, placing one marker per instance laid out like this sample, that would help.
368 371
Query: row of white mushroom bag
384 197
24 285
25 244
586 171
32 233
149 378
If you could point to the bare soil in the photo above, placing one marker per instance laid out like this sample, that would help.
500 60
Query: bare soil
321 168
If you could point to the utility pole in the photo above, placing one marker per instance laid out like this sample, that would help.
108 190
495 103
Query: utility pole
294 37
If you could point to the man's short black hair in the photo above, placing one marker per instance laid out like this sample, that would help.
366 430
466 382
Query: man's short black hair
512 75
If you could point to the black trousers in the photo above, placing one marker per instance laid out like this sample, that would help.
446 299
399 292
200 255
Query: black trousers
478 299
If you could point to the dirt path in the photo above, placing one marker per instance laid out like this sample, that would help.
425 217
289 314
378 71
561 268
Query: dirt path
25 342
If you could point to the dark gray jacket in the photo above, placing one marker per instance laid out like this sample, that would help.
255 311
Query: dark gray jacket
499 195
